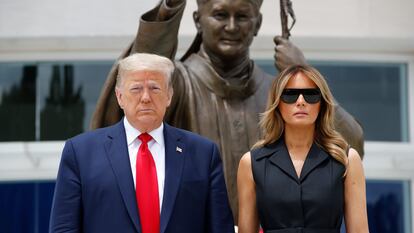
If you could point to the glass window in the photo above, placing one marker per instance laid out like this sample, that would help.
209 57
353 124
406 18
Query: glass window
67 97
388 205
54 101
25 206
375 94
17 102
48 101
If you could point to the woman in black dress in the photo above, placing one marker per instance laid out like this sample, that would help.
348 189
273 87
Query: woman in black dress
302 177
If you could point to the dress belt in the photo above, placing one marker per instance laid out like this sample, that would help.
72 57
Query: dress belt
303 230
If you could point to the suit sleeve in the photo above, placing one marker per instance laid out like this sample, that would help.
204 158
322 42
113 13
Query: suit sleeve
220 216
66 214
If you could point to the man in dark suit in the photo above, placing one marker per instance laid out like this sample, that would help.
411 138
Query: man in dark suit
141 175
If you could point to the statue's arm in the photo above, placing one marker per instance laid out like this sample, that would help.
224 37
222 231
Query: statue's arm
350 129
157 33
158 29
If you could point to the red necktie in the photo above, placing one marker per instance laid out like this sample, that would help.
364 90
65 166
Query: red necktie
147 188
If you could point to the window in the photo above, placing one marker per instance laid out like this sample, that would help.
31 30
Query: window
48 101
25 206
17 102
388 205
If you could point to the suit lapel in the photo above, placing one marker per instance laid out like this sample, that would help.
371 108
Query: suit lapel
117 153
174 160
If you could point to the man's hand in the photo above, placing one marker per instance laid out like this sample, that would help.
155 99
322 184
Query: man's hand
287 54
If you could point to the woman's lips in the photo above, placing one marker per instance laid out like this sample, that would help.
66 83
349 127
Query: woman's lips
300 114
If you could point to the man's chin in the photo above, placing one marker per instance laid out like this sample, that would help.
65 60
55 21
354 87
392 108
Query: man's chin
148 122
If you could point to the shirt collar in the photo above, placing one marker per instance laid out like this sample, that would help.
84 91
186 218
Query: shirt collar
132 133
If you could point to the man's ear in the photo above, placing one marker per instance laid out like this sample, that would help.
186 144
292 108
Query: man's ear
118 94
170 95
196 18
258 24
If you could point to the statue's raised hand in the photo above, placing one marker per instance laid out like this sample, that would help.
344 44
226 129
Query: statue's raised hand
165 10
174 3
287 54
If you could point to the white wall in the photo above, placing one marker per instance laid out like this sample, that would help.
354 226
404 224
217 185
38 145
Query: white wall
320 18
100 28
58 18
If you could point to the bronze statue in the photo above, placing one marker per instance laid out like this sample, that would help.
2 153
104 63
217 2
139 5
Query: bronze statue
218 90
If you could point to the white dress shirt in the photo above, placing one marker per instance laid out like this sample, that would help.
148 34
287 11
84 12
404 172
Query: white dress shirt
156 146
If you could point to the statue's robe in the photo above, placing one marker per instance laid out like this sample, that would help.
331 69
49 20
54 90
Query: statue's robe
205 103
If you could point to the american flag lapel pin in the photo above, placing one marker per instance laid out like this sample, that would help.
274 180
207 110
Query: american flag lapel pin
178 149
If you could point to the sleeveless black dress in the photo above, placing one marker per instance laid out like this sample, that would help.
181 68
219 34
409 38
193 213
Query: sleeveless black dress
286 203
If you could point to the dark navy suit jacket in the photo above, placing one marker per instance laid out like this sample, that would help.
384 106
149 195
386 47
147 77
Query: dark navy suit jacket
95 190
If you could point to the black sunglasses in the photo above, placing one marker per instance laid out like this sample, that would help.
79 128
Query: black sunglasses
291 95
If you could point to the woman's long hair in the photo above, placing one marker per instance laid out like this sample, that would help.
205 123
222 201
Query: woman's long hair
326 136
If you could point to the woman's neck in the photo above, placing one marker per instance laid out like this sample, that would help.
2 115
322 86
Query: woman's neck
299 139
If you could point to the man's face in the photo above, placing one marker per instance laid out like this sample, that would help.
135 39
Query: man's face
144 96
227 26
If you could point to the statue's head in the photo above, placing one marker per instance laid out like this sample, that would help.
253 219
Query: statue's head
227 27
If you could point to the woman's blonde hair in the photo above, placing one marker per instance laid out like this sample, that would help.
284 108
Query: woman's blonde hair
326 136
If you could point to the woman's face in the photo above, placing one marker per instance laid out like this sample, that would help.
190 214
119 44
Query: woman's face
305 109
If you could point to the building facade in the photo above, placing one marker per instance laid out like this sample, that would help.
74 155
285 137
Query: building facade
54 58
